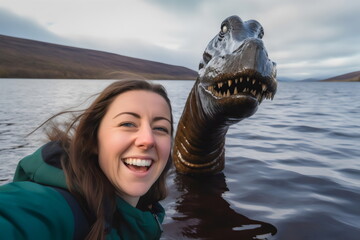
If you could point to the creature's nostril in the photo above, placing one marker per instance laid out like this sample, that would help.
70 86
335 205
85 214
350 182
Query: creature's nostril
201 65
207 57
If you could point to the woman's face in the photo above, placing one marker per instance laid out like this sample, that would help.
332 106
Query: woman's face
134 142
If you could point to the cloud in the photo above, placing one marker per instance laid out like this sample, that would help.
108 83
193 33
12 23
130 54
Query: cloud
176 6
308 36
22 27
302 37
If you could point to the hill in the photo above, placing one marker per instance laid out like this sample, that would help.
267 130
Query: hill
349 77
23 58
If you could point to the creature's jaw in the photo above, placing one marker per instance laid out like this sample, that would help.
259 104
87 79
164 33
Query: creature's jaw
241 86
229 98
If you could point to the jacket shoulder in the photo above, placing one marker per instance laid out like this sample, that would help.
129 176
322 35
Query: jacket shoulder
43 166
32 211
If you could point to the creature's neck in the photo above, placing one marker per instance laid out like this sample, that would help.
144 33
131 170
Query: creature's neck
200 139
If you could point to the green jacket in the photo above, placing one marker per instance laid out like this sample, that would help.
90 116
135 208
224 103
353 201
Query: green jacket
31 208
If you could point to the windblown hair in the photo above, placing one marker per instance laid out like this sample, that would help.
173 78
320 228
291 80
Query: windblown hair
84 177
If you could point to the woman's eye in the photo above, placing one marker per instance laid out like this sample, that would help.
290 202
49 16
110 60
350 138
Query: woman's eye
126 124
161 129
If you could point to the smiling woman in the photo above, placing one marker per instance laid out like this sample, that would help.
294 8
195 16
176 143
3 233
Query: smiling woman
100 178
134 142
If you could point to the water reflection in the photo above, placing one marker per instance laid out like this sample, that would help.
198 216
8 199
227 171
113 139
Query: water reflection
202 213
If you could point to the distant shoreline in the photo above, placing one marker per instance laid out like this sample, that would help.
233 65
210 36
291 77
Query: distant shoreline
347 80
23 58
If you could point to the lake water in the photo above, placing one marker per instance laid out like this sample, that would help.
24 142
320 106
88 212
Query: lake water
292 170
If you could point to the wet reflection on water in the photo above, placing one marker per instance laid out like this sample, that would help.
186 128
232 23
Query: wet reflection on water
202 212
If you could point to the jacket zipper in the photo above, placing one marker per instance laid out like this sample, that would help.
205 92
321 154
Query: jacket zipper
158 222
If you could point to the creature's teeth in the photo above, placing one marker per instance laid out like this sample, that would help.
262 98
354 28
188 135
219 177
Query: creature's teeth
219 85
236 81
258 96
229 82
264 87
235 91
245 90
248 79
241 79
228 93
253 81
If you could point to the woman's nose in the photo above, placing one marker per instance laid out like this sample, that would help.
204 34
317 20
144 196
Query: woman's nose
145 138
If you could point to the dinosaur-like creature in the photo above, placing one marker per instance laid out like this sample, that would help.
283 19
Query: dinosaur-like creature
235 75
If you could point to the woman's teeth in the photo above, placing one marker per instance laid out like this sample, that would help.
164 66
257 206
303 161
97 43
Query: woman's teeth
138 162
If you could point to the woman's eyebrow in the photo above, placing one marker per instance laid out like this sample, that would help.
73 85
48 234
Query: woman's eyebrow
130 113
161 118
138 116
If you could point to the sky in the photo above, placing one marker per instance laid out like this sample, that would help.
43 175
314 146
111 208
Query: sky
307 39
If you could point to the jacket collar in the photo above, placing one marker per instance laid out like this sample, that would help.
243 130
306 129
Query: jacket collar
140 224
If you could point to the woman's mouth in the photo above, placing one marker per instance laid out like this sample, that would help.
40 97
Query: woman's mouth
138 165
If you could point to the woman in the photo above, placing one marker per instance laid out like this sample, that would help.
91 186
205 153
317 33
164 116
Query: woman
113 158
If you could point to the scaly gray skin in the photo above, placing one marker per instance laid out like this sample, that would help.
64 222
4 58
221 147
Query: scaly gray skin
235 75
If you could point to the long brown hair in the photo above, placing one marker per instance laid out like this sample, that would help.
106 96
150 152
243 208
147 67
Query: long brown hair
84 177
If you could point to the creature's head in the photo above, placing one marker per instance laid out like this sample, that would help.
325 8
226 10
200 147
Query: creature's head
235 74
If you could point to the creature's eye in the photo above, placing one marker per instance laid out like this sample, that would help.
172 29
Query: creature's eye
224 28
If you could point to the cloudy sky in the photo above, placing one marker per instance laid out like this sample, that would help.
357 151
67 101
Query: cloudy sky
307 38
